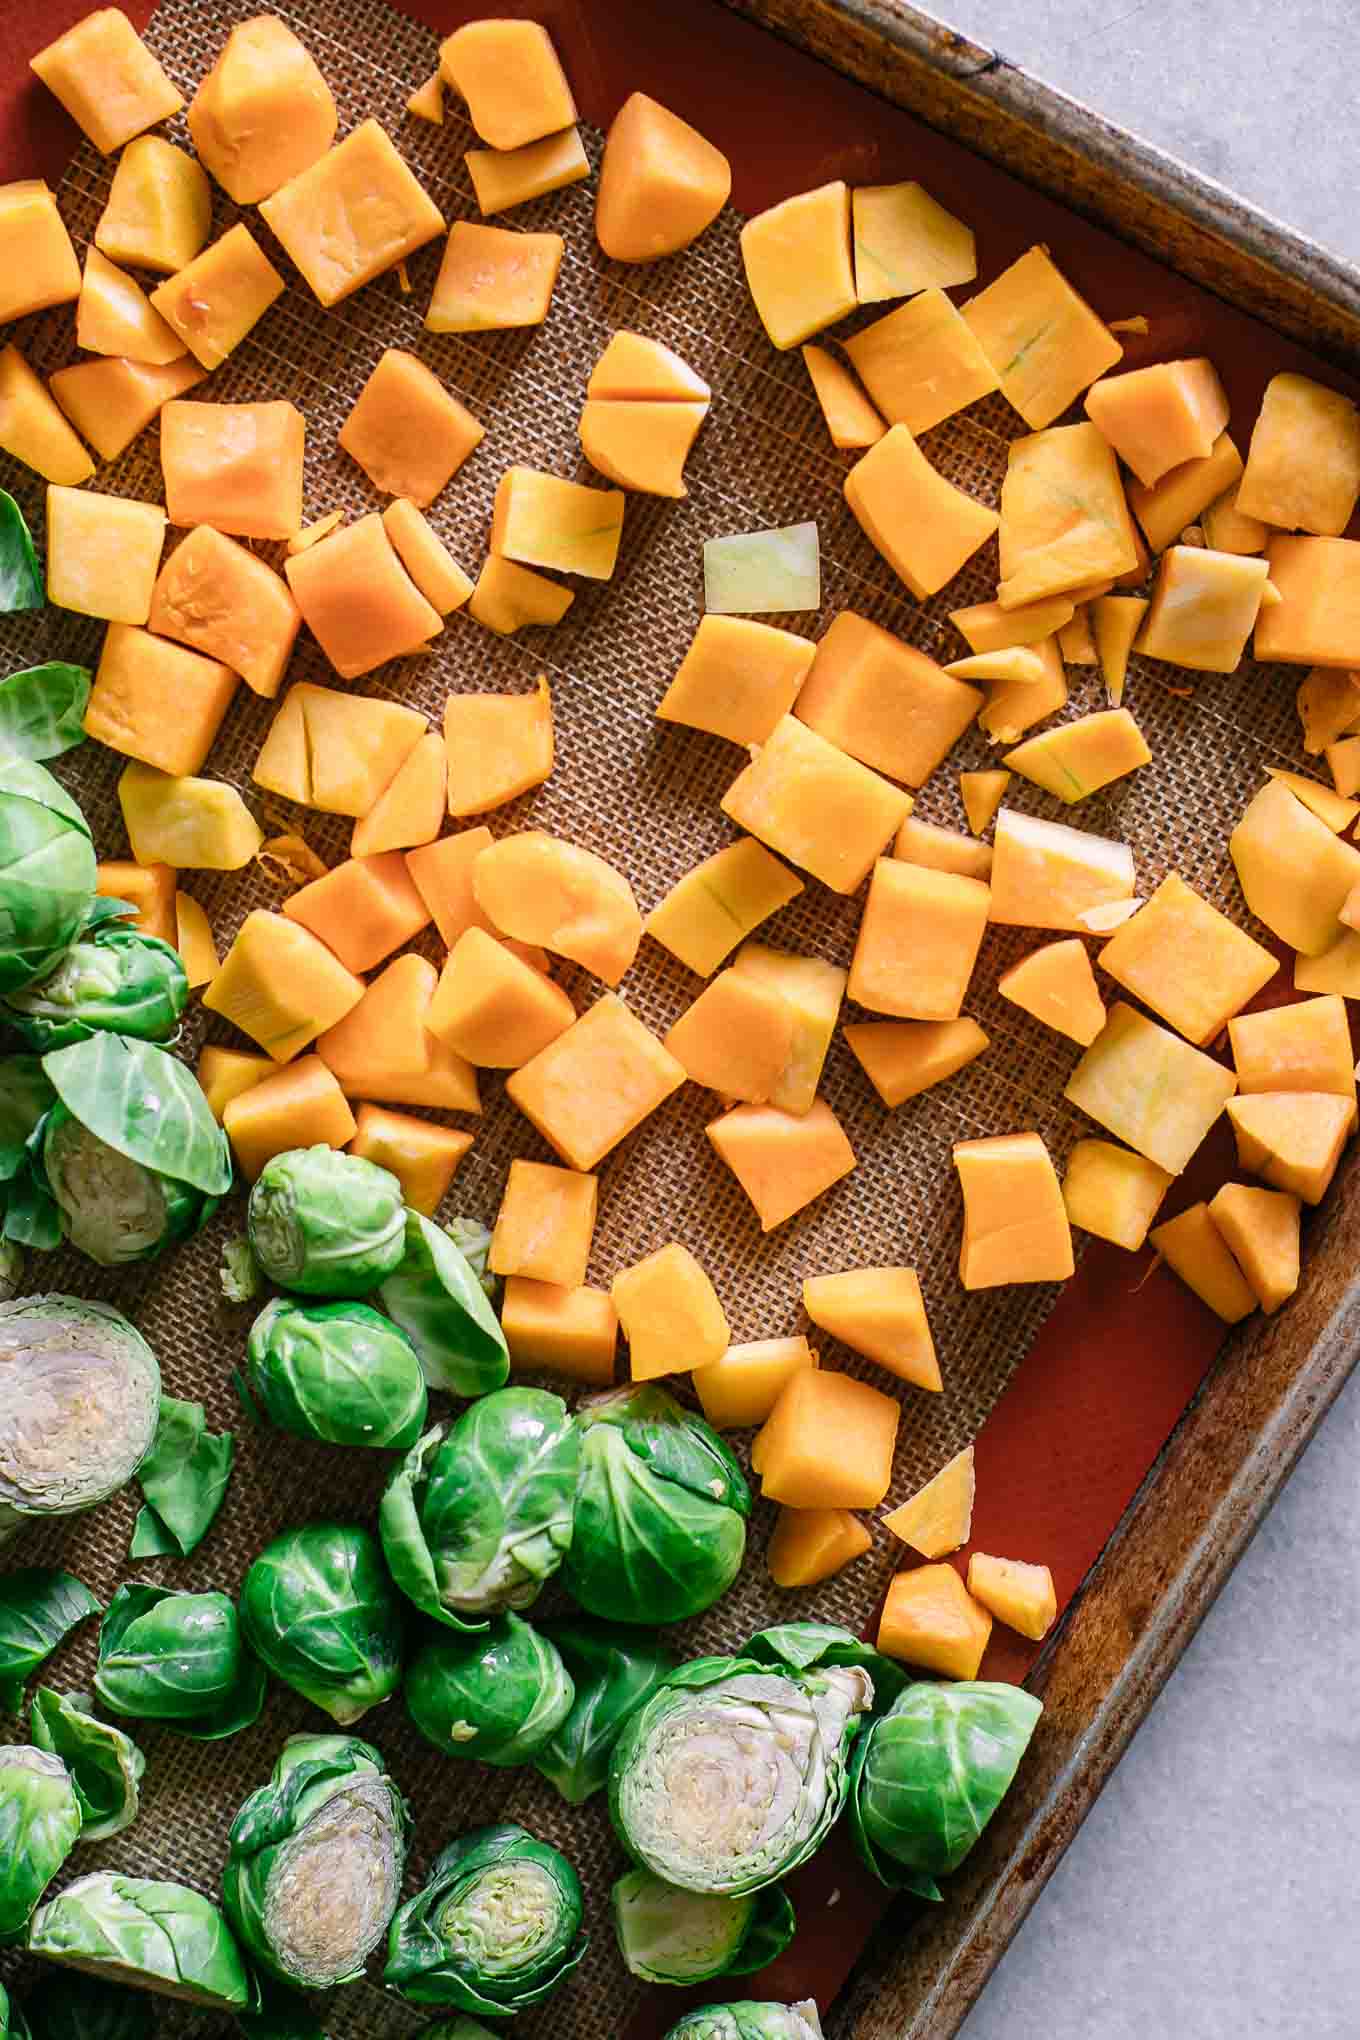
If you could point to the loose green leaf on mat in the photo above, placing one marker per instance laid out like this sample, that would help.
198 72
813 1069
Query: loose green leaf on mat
39 1607
42 710
105 1764
184 1479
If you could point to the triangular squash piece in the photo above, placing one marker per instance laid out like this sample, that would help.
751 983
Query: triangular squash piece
356 745
1009 664
1115 622
982 794
939 1517
383 1050
1293 1139
641 445
114 315
283 766
633 368
194 941
427 101
1058 986
1075 641
1260 1229
1022 1596
902 1058
880 1312
850 417
1329 806
411 810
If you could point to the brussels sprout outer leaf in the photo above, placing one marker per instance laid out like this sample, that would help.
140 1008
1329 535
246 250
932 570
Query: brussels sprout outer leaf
318 1608
164 1937
21 581
105 1764
803 1644
409 1558
31 1215
69 2006
441 1306
686 1937
39 1607
473 1241
39 1827
614 1670
146 1105
240 1277
497 1697
114 978
750 2019
42 710
167 1656
184 1479
25 1095
339 1372
47 871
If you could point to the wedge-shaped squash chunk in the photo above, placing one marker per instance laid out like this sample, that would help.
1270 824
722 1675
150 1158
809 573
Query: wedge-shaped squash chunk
443 875
905 241
922 363
1294 1139
425 557
918 842
708 912
737 1038
988 627
213 302
661 183
1294 873
32 427
884 702
423 1157
351 214
641 445
1075 641
738 678
334 751
670 1314
1178 498
596 1083
1336 970
407 432
1020 1595
107 79
159 209
938 1518
40 267
111 400
1204 607
850 418
502 178
1195 1249
192 824
1010 665
301 1106
1150 1089
538 889
491 279
263 112
1324 801
195 943
1159 417
633 368
542 521
817 806
812 991
383 1049
102 553
1187 962
1077 759
223 1073
511 79
1043 340
782 1160
1064 520
930 1619
810 1545
828 1443
925 528
1317 621
1300 1047
499 745
148 888
1260 1228
744 1385
1303 464
1058 986
982 794
571 1332
902 1058
1115 622
507 598
410 811
1113 1193
798 266
115 316
881 1313
358 600
1227 528
281 986
918 941
156 701
219 598
545 1225
492 1008
1328 701
1015 1225
1045 875
238 466
363 910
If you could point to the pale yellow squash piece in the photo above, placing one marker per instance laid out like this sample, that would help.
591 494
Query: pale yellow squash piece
641 446
192 824
925 527
508 598
32 427
1177 499
634 369
1041 337
1261 1231
312 534
982 794
1303 463
425 557
1204 608
1115 622
1194 1248
1343 762
499 745
1017 705
502 178
1150 1089
1058 986
906 241
1009 666
711 909
353 213
103 553
742 1387
938 1518
38 264
902 1058
1294 1139
1296 876
542 521
798 265
808 1546
224 1073
1227 528
334 751
213 302
1187 962
281 986
1325 802
1045 875
107 79
427 101
987 627
919 842
850 418
816 806
1301 1047
1079 758
1114 1193
1317 620
115 316
1336 970
812 990
881 1313
110 400
883 701
1075 642
410 810
1022 1596
194 941
159 209
1064 519
156 701
1015 1225
922 363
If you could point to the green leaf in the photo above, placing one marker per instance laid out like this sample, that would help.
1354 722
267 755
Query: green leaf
441 1306
25 1094
39 1607
21 581
145 1104
105 1764
41 710
184 1479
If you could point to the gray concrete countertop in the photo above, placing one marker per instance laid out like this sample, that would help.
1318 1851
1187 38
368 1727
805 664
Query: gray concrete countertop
1212 1893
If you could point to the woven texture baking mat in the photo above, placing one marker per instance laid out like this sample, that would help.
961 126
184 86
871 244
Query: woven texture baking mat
646 796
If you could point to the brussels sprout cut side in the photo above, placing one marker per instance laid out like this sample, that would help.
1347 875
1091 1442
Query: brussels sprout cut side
497 1697
106 1765
315 1862
113 980
683 1937
613 1671
496 1929
178 1658
318 1608
339 1372
39 1827
749 2020
438 1299
47 872
164 1937
325 1223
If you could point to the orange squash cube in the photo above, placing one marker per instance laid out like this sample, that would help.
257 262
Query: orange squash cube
918 941
902 1058
263 112
115 316
1064 519
336 752
1114 1193
938 1518
38 264
1260 1229
358 600
507 598
442 873
1015 1225
301 1106
828 1443
224 1073
1044 341
218 598
1301 1047
1227 528
1150 1089
499 745
492 1008
812 992
782 1160
922 363
1022 1596
542 521
926 843
281 986
1296 876
594 1085
743 1386
816 805
1336 970
881 1313
1079 758
423 1157
407 432
502 178
883 701
509 74
641 446
925 527
738 678
905 241
491 279
1303 464
633 368
1058 986
538 889
383 1050
572 1332
362 910
33 429
1194 1248
931 1620
107 79
982 794
1045 875
157 701
1187 962
351 214
670 1314
1204 607
808 1546
737 1038
411 808
850 418
1156 418
987 627
661 183
110 400
707 912
213 302
1294 1139
798 265
1178 498
425 557
237 466
148 888
102 553
545 1225
159 209
1317 621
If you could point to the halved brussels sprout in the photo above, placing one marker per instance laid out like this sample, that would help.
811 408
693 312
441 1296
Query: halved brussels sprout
613 1670
163 1937
496 1928
318 1608
326 1223
750 2020
734 1773
178 1658
114 979
440 1301
683 1937
79 1403
39 1827
69 2006
339 1372
478 1516
315 1862
47 872
497 1697
106 1765
800 1646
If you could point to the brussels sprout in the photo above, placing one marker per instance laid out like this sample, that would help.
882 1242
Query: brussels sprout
164 1937
496 1697
660 1521
178 1658
114 979
749 2020
76 2007
315 1861
613 1671
239 1276
42 710
47 872
801 1645
39 1607
326 1223
930 1774
670 1936
319 1610
735 1772
39 1827
496 1928
106 1765
79 1399
439 1302
473 1241
478 1515
183 1481
13 2025
336 1371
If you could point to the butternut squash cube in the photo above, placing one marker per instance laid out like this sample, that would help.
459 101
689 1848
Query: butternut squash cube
633 368
194 941
1204 607
115 316
509 74
442 873
905 241
148 888
410 810
1017 705
1058 986
542 521
918 941
213 302
1227 528
423 1157
1193 1247
919 842
797 260
358 600
881 1313
1324 801
351 214
742 1387
502 178
661 183
263 112
237 466
192 824
1294 1139
922 363
988 627
1295 875
925 527
708 911
111 400
1116 621
1064 520
1043 340
224 1073
670 1314
1045 875
1336 970
809 1545
1260 1229
1157 418
336 752
499 745
159 209
1303 464
1300 1047
494 1009
738 678
1187 962
594 1085
1113 1193
425 557
883 701
850 418
938 1518
782 1160
1015 1226
219 598
816 805
102 553
363 910
38 265
33 429
107 79
1079 758
930 1619
301 1106
1022 1596
282 986
1150 1089
737 1038
902 1058
828 1443
538 889
1317 621
156 701
383 1050
507 598
812 991
641 445
572 1332
545 1224
982 794
407 432
491 279
1178 498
